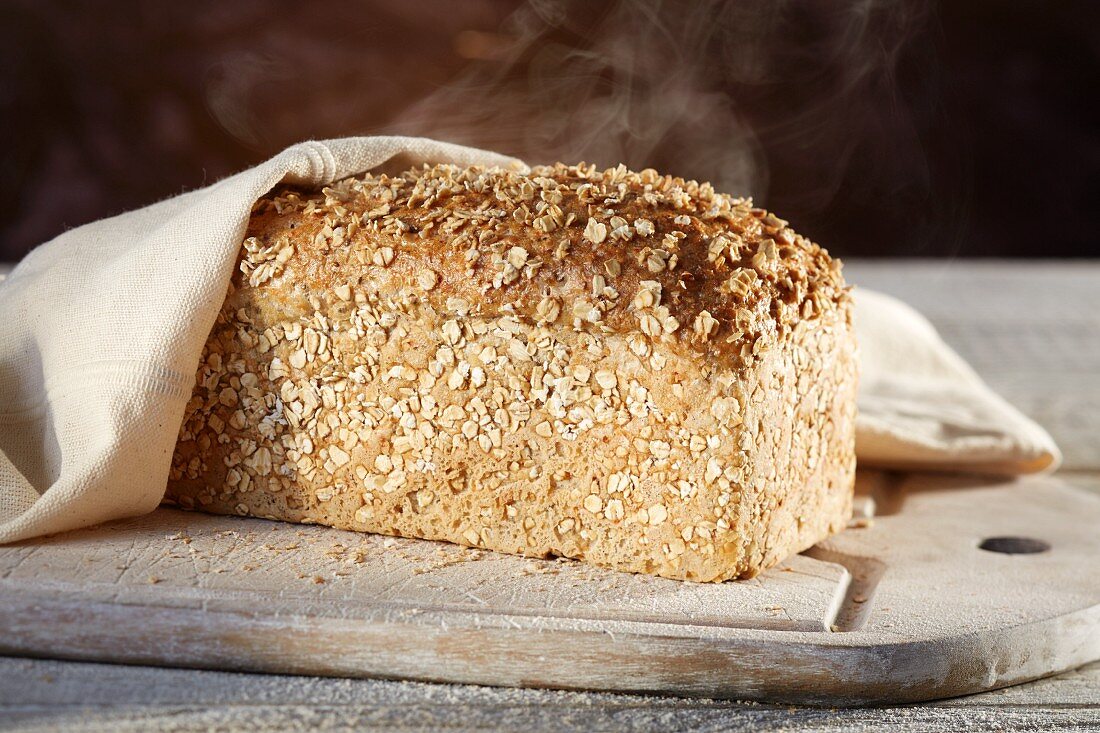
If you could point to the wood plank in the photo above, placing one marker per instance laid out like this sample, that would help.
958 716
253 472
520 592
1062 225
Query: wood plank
184 559
45 694
926 614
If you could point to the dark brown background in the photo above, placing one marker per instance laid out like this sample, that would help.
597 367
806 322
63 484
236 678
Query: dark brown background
961 128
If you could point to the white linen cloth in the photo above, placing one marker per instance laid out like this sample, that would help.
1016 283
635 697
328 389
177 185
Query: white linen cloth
101 330
922 407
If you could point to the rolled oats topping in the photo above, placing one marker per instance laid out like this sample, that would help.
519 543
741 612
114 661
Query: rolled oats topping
623 367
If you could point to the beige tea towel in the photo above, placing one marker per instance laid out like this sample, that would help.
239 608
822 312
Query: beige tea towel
102 328
922 407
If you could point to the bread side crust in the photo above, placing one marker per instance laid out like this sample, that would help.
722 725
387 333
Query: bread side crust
801 415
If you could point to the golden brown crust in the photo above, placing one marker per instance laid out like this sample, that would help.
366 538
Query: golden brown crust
498 239
625 368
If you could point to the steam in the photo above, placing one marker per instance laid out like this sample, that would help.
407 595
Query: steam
229 84
602 83
690 88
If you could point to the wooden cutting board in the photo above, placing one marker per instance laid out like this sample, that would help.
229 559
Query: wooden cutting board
907 608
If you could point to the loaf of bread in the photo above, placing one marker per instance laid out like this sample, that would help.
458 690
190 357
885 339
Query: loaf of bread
629 369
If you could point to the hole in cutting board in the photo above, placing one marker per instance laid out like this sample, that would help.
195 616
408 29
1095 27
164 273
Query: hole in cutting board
1014 545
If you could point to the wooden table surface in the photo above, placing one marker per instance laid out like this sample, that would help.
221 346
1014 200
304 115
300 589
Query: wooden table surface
1032 330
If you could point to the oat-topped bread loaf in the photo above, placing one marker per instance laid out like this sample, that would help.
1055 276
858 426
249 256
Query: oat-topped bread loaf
625 368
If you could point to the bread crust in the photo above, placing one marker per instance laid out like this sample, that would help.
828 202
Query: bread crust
624 368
